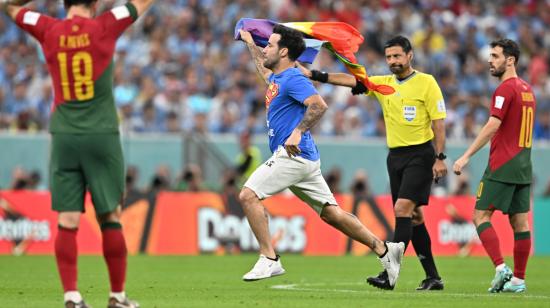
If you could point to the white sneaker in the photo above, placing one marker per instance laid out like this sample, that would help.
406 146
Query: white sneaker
392 261
264 268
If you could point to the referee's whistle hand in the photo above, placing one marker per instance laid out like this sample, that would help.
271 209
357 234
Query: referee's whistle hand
439 169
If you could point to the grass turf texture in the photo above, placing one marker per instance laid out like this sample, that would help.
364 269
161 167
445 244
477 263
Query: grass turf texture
215 281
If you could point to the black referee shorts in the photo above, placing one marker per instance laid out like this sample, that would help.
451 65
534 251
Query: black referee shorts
410 170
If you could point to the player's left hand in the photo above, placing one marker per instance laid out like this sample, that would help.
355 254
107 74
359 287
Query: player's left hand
291 144
439 169
459 164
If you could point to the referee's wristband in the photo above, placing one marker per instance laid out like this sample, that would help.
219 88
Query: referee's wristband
319 76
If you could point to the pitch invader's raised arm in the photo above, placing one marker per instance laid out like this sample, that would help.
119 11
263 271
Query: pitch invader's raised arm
257 55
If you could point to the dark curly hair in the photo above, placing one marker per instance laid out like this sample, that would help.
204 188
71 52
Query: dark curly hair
291 39
399 41
69 3
509 48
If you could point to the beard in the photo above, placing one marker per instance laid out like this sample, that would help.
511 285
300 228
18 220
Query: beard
498 71
398 69
270 63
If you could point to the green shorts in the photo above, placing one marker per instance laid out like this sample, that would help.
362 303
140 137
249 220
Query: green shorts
506 197
86 162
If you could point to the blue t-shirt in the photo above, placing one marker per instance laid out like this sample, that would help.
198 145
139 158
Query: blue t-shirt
285 98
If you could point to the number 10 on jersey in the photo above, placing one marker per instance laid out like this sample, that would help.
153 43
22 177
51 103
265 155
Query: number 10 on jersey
526 130
82 73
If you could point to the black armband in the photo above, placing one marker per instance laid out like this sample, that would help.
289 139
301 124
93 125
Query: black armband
319 76
359 88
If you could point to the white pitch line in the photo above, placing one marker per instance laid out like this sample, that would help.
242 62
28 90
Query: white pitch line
311 287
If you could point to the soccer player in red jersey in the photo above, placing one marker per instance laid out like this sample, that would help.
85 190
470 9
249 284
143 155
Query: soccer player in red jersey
505 185
86 153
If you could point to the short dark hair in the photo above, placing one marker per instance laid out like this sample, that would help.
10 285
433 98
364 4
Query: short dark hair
69 3
399 41
291 39
509 48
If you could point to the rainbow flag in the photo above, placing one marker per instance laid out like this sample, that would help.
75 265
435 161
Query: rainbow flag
339 38
261 29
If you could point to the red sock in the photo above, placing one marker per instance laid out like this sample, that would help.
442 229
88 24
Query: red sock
66 253
522 248
490 242
114 252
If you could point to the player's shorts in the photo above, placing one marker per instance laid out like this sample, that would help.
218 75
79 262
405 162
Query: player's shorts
410 171
303 177
81 162
506 197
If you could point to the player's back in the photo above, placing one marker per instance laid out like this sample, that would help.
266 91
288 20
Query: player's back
510 155
79 54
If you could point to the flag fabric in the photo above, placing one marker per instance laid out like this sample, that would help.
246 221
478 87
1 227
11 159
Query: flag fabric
261 29
339 38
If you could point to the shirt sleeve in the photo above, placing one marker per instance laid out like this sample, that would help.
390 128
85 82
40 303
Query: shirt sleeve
502 99
34 23
118 19
300 88
435 104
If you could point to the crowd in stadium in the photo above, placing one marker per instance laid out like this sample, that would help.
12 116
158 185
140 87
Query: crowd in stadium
180 69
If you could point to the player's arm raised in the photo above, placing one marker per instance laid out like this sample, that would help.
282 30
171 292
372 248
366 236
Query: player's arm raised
142 5
257 55
316 107
12 7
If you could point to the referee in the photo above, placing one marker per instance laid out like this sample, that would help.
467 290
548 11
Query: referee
413 115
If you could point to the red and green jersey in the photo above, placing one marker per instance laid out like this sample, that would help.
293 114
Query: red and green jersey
79 54
510 155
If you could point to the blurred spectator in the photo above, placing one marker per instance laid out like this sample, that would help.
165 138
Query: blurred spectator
248 159
546 192
362 195
464 243
161 180
359 187
181 70
34 181
230 194
20 243
24 122
173 123
21 179
334 179
148 122
191 179
542 126
462 185
132 192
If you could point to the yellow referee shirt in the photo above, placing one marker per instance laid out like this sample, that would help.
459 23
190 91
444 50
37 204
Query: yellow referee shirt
408 113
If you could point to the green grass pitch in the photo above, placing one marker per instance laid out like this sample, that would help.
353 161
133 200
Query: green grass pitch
215 281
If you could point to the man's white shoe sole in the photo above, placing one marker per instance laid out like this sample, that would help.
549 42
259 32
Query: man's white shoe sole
279 273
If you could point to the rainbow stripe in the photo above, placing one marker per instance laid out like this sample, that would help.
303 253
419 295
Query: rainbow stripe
339 38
